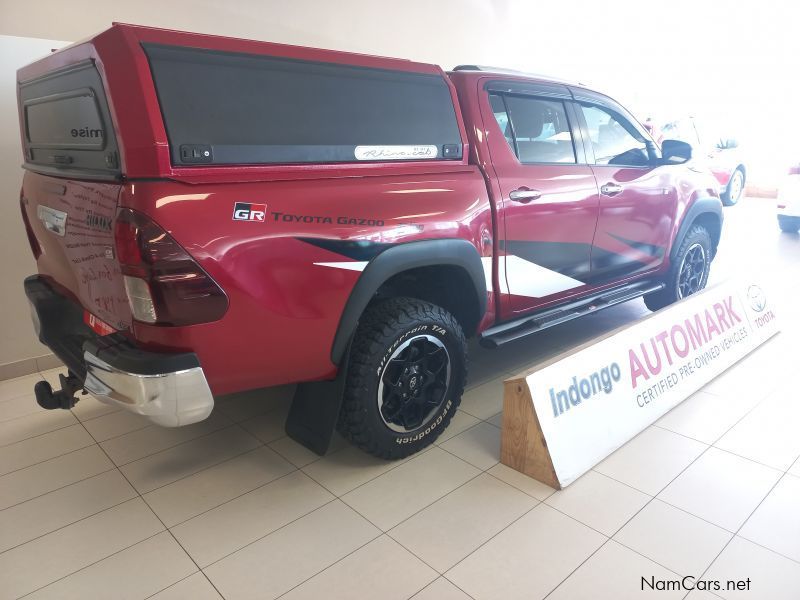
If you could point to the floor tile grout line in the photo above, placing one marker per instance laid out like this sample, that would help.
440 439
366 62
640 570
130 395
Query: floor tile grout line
519 489
119 435
421 509
210 466
234 498
481 469
26 594
61 487
397 464
331 565
16 397
115 466
38 410
59 528
794 560
434 581
455 585
287 459
39 462
627 485
194 439
628 521
485 470
217 464
752 460
739 420
382 532
269 533
474 550
172 535
471 479
387 534
100 443
652 497
37 435
174 583
736 533
600 547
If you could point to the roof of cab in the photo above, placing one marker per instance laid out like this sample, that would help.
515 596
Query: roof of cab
135 35
486 70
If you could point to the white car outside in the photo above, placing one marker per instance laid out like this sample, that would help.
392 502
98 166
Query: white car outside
789 201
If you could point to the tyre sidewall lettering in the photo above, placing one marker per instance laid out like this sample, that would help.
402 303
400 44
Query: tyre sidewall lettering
443 334
420 329
429 428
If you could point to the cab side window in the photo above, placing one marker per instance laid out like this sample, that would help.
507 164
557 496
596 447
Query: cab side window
501 116
615 141
537 131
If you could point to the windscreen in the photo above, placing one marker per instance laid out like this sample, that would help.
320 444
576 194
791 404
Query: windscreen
66 123
226 108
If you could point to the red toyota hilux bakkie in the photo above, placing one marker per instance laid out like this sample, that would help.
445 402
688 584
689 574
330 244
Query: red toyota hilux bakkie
211 215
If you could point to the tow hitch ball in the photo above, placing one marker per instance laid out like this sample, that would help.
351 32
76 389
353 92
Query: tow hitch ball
63 398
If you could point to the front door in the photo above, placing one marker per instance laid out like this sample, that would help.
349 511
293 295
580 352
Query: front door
549 206
637 197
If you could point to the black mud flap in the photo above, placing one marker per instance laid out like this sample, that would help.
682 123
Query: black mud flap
315 410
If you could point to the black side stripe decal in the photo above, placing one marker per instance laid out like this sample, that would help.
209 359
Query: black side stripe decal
359 250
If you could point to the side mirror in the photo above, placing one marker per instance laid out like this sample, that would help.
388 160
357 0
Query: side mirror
727 144
675 152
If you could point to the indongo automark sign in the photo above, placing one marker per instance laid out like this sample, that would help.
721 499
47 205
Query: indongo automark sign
587 404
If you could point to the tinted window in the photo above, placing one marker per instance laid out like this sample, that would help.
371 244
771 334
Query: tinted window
67 124
540 129
614 139
256 109
501 115
69 120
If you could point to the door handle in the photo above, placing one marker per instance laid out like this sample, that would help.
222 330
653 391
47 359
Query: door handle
610 189
525 195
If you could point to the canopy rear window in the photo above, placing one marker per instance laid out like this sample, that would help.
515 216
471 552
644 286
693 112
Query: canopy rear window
66 123
227 108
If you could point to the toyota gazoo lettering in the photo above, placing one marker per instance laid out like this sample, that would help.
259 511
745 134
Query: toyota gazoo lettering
264 239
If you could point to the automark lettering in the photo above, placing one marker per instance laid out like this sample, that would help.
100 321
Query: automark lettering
677 341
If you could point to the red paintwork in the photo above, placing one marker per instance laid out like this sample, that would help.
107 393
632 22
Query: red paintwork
284 310
723 164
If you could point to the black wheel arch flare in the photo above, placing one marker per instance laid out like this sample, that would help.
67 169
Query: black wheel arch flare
404 257
702 208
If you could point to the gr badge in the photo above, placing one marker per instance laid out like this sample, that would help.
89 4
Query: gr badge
244 211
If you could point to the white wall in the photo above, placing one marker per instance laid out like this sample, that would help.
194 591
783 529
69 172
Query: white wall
17 340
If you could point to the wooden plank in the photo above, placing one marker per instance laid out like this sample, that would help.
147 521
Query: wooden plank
522 444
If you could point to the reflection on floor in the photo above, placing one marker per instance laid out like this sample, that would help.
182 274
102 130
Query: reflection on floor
97 503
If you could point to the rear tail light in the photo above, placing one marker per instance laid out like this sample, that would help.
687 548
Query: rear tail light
35 247
163 283
795 170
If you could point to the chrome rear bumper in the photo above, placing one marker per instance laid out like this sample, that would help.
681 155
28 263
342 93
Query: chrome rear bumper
167 399
169 388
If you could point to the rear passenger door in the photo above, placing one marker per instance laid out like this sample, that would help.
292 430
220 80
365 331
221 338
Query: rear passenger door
548 210
637 194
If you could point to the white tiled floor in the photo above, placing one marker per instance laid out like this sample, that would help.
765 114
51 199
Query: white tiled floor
97 503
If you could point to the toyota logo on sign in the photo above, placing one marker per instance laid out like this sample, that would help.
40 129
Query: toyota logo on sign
758 301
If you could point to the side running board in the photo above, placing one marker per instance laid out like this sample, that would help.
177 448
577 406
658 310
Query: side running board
533 323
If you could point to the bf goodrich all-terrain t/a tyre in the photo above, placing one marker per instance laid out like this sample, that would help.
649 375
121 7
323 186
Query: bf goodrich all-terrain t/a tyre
405 378
688 273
